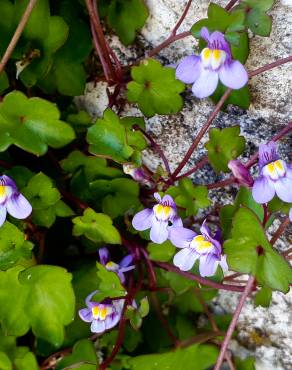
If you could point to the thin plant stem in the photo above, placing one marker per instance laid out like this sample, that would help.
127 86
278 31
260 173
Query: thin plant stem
167 42
199 279
182 18
221 184
198 166
280 230
269 66
246 292
202 132
230 5
17 34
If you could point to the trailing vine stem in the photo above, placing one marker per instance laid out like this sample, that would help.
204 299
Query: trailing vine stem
17 34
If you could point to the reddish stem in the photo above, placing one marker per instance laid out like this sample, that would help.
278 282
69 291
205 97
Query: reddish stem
230 4
167 42
269 66
202 132
197 278
198 166
280 230
246 292
184 14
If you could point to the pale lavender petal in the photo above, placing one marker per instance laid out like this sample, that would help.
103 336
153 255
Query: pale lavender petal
263 190
126 261
181 237
97 326
233 75
159 231
126 269
88 298
208 265
206 83
177 222
18 206
85 315
223 263
205 230
104 255
205 33
122 277
267 153
143 220
3 214
185 259
283 188
290 214
189 69
157 197
167 199
112 320
289 172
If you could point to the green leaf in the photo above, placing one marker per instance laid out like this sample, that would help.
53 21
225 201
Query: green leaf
259 22
277 205
263 297
109 285
32 124
161 252
189 196
203 356
13 246
246 364
25 360
125 17
70 77
249 251
117 196
50 301
108 138
4 82
263 5
83 357
144 307
5 363
155 88
57 36
224 145
96 227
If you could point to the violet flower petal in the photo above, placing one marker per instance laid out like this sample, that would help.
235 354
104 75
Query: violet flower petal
143 219
88 299
267 153
223 263
208 265
112 320
97 326
206 83
159 231
290 214
177 222
18 206
126 261
233 75
205 34
185 259
181 237
168 200
263 190
283 188
3 214
85 314
189 69
104 255
157 197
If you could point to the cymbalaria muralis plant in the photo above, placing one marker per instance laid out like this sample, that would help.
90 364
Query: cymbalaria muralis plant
105 262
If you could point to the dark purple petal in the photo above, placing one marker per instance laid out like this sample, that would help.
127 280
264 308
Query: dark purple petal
7 181
168 200
217 41
208 265
159 231
283 188
181 237
18 206
263 190
205 34
267 153
88 298
104 255
189 69
3 214
205 230
126 261
240 172
143 220
112 320
85 315
97 326
206 83
233 75
185 259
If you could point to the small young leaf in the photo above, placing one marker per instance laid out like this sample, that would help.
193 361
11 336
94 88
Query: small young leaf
161 252
259 22
224 145
263 297
109 285
96 227
155 88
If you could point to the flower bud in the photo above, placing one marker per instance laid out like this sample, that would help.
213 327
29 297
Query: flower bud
241 173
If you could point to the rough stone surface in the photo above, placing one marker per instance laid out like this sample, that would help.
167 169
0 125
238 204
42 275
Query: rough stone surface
265 333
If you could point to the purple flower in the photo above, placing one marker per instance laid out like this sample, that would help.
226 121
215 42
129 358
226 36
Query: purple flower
119 269
204 247
12 201
275 176
104 315
240 172
160 219
290 214
215 62
137 173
